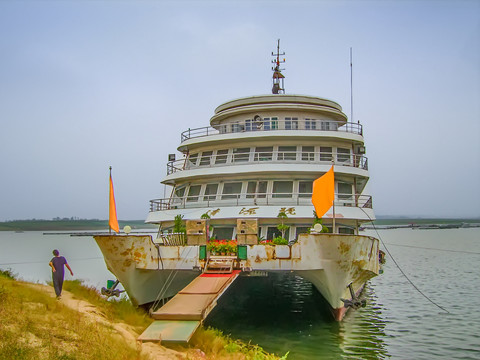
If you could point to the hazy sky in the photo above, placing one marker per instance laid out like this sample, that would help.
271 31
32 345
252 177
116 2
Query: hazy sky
89 84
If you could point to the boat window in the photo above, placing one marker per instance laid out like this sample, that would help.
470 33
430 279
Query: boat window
273 232
231 190
287 153
291 123
308 153
256 189
301 230
221 157
346 230
241 154
192 158
325 125
205 159
310 124
263 153
237 127
326 153
343 155
193 192
345 193
222 233
305 188
180 191
248 125
282 189
210 192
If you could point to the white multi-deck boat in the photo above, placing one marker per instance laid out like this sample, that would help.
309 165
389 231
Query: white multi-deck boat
240 178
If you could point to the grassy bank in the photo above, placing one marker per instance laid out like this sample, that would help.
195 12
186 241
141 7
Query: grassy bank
83 325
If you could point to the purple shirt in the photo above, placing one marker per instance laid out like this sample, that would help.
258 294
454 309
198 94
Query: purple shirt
58 263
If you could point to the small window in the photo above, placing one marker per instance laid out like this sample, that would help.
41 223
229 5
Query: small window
256 189
326 153
248 125
263 153
241 154
222 233
273 232
308 153
205 159
291 123
345 193
237 127
221 157
193 193
325 125
301 230
180 191
231 190
305 188
210 192
310 124
346 230
343 155
192 158
282 189
287 153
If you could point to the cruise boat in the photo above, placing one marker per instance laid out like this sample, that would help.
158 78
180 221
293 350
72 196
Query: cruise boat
247 179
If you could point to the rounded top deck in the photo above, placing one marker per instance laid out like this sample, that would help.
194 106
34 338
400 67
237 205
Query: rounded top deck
265 102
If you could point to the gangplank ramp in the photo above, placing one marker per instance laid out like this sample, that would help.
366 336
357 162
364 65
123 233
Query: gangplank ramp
177 320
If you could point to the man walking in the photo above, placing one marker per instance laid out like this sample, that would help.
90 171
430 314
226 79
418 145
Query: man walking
58 272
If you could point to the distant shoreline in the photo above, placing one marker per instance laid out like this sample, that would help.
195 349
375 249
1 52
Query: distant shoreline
75 225
68 225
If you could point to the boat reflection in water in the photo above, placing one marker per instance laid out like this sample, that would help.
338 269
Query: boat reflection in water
284 312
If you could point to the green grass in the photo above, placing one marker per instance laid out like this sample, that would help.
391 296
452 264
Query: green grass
36 326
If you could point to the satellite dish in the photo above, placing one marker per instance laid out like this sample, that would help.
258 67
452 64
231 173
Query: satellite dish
318 228
127 229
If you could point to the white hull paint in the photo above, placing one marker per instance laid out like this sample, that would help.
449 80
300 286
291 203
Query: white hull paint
331 262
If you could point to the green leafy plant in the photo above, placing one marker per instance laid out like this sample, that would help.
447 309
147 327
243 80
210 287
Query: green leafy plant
282 227
222 246
179 225
279 241
317 220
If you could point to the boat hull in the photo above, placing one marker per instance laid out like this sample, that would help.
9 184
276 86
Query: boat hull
333 263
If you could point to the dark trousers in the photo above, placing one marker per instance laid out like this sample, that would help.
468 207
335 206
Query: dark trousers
57 283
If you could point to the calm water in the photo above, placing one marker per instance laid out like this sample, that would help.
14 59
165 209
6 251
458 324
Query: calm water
284 313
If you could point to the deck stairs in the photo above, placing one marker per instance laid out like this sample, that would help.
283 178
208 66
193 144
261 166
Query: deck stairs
179 318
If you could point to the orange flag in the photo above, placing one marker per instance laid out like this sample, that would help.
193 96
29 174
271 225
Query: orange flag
112 222
323 193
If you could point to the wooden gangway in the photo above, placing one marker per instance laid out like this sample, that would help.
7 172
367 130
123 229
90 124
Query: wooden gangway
177 320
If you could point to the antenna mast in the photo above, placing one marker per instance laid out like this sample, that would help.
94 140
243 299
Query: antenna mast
351 86
278 87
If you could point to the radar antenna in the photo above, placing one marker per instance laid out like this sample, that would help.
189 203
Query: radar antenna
278 87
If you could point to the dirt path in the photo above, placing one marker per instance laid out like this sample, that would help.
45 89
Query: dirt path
94 314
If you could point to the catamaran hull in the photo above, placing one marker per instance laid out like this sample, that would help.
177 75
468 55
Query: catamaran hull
335 264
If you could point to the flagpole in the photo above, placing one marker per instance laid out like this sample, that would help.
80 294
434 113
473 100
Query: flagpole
109 227
333 222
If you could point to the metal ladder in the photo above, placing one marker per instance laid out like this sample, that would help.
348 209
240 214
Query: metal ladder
219 265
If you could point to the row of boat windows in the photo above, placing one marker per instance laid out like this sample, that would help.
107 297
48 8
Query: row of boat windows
271 232
254 189
273 123
269 153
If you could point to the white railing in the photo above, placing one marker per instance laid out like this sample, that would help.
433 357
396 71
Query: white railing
254 199
283 157
272 125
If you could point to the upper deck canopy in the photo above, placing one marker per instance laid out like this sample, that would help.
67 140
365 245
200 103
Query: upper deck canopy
262 103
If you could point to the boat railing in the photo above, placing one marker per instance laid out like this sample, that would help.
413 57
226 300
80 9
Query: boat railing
278 157
272 125
172 239
254 199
